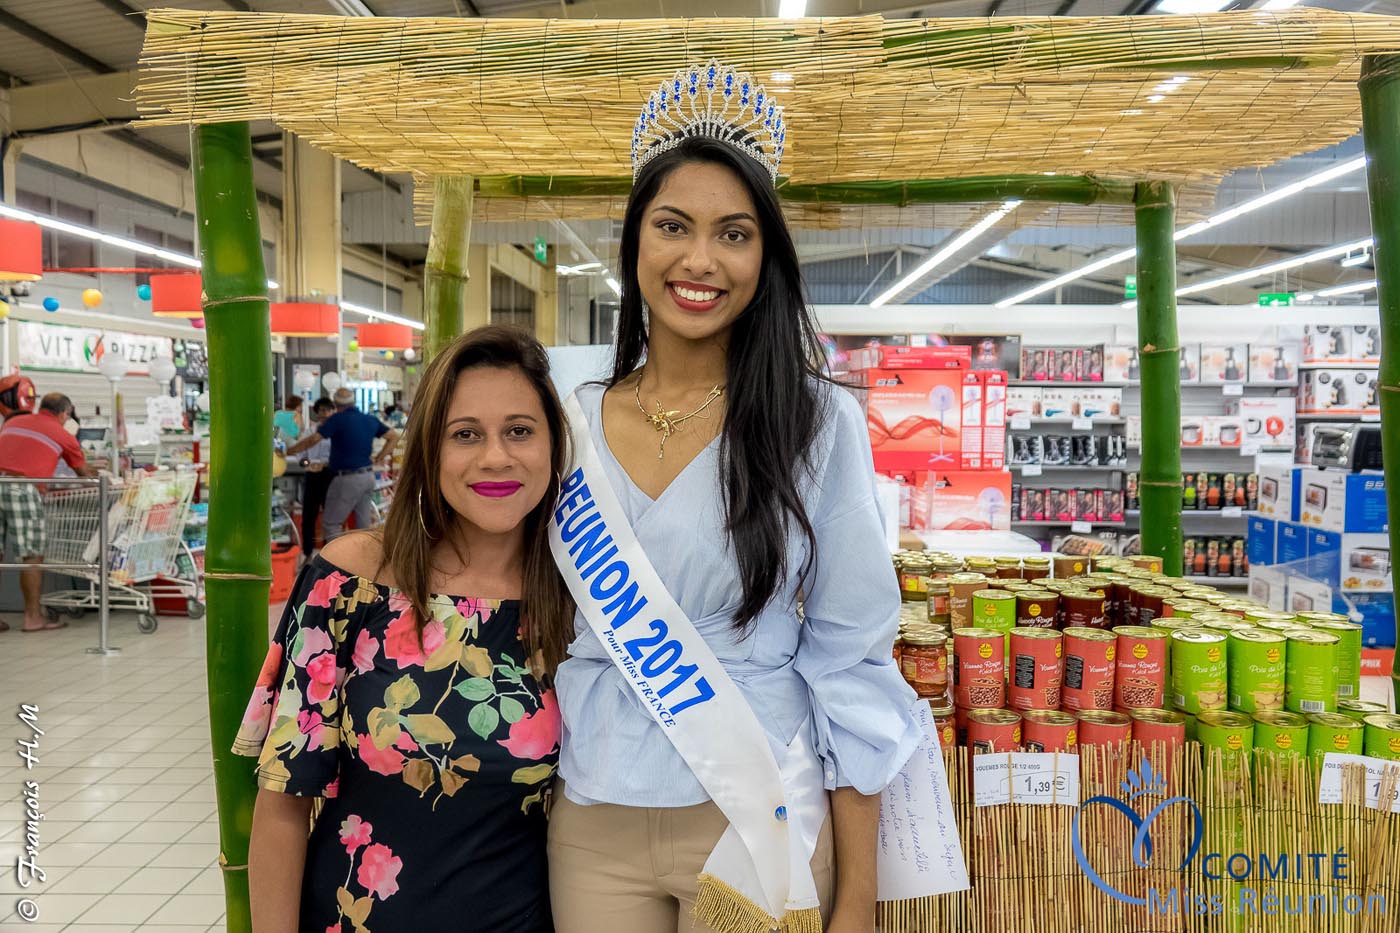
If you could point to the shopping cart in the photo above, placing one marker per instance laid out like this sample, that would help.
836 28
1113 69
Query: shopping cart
145 523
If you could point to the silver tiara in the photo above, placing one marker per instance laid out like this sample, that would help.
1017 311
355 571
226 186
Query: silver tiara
716 101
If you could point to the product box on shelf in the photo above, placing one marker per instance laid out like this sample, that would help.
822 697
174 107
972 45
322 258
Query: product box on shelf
1268 423
910 358
969 500
1120 363
1324 556
1326 343
1098 403
1224 362
1339 392
994 391
1364 562
1275 363
1057 404
1262 535
1335 500
1190 367
1292 546
1303 453
1033 503
1062 364
1024 402
1222 430
1269 586
914 418
989 351
1307 595
1374 611
1365 344
972 434
1278 492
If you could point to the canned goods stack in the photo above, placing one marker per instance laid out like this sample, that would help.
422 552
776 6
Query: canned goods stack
1047 653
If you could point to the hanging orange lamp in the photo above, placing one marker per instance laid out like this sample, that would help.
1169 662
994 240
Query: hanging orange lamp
381 336
305 319
177 294
21 251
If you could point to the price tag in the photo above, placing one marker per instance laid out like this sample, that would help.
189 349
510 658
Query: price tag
1374 417
1232 511
1030 469
1330 788
1082 424
1026 777
1020 422
1081 528
1236 388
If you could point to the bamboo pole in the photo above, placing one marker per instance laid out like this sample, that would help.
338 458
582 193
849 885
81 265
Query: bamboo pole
1380 121
1160 485
238 567
445 274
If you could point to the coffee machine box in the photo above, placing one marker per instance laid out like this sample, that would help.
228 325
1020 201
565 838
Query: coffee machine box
1339 392
1224 362
1326 343
1364 344
1274 363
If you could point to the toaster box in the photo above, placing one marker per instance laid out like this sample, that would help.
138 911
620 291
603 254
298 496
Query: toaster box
1325 556
1268 423
1262 541
1275 363
1024 401
994 390
1309 434
1269 586
1307 595
914 418
1224 362
1292 543
1278 493
1057 404
977 500
1364 562
1339 391
1326 343
1098 404
1376 614
1336 500
1190 367
1120 363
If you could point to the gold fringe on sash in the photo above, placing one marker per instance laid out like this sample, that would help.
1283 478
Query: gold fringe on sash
916 915
721 907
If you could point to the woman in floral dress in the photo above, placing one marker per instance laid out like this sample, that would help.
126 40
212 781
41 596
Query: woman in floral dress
408 682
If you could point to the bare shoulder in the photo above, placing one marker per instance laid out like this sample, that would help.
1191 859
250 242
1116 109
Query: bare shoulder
360 553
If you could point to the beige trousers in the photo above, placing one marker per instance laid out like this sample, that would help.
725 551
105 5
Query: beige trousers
633 869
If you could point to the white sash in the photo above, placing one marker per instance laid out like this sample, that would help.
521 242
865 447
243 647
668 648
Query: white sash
765 854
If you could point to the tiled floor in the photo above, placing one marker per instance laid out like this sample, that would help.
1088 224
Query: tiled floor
129 840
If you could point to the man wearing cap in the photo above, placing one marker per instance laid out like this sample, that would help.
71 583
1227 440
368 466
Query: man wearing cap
351 433
31 446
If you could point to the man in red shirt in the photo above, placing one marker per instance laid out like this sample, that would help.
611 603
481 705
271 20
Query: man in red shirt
31 446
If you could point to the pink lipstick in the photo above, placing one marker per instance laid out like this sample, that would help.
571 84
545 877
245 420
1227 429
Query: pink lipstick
496 490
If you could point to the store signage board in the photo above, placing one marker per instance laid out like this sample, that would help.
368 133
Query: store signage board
62 348
1330 788
919 852
541 249
1275 299
1025 777
1129 286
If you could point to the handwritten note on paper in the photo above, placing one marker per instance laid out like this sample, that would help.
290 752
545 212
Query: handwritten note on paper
920 854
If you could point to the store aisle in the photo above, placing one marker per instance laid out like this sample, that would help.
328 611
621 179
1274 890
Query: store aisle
129 839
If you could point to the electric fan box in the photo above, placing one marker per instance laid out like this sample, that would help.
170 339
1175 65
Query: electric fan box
968 500
915 419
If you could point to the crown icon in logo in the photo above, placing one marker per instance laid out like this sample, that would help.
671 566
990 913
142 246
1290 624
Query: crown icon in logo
1144 782
712 100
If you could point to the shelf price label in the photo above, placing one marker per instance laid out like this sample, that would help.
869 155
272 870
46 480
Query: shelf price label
1232 511
1020 422
1026 777
1030 469
1082 424
1333 773
1232 388
1081 528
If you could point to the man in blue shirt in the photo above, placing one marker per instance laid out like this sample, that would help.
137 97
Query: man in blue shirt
352 434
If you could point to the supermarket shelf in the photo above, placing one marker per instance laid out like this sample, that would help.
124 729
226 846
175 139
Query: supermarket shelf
1222 582
1059 524
1339 364
1198 513
1068 468
1373 417
1067 422
1042 384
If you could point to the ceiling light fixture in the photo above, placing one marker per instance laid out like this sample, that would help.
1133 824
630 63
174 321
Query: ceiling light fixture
792 9
1356 259
1279 4
350 8
1192 7
381 315
1346 289
946 251
1246 275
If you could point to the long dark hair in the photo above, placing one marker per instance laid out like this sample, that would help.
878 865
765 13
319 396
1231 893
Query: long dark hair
773 411
419 515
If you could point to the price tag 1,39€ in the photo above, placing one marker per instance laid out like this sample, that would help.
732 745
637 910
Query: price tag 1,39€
1025 777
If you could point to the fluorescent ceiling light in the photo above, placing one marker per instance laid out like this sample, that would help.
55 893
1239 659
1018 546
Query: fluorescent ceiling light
88 233
1230 213
1346 289
1247 275
1359 259
1279 4
382 315
612 283
1192 6
792 9
1304 296
350 8
945 252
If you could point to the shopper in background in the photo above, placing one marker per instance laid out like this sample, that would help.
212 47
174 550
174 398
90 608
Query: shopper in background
352 434
394 416
31 446
316 481
748 481
287 422
425 720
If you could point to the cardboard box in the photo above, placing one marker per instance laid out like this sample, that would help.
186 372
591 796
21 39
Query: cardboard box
1057 404
967 500
1269 586
1292 544
1096 404
994 393
1375 612
1364 562
1364 344
1224 362
1302 453
1120 363
1326 343
1193 431
1339 501
1275 363
989 351
1305 595
1278 493
1324 556
1190 370
1377 662
1222 431
971 420
914 418
1339 392
1269 423
1262 541
910 358
1023 401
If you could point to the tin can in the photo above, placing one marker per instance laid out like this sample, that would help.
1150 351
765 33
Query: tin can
1333 732
1382 736
961 586
1089 667
1311 683
1360 709
1049 730
1200 670
912 578
1035 607
1309 617
1222 622
1146 562
979 668
983 565
1267 615
1083 608
1258 664
1225 730
936 597
994 609
1104 727
1036 668
1151 726
1348 655
924 663
1141 678
1035 568
993 730
1008 568
1284 627
1174 624
1181 606
1069 565
1280 731
944 722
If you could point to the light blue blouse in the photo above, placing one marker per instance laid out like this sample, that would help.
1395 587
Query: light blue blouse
834 665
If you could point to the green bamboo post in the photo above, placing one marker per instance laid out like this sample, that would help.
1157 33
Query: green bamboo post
1380 123
1159 484
445 273
237 565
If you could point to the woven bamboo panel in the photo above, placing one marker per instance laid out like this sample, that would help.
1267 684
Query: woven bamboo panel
866 98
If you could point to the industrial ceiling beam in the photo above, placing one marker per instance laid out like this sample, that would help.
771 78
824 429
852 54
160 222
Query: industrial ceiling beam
132 15
54 44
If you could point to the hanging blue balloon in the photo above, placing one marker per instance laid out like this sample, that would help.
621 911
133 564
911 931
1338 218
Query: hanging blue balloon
51 304
143 292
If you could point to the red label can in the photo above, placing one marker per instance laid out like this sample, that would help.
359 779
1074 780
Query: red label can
1089 654
1036 608
993 730
1049 730
1104 727
1151 726
1036 668
979 668
1141 678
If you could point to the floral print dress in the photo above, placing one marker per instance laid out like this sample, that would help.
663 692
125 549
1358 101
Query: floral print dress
433 758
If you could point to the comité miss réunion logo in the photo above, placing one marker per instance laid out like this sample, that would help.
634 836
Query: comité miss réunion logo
1255 876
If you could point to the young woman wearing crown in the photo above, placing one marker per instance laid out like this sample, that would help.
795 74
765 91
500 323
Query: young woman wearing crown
730 704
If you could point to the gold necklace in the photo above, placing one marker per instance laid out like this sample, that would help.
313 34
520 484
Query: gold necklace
667 421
